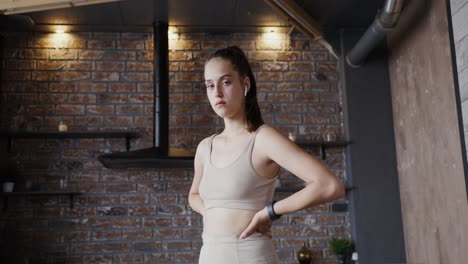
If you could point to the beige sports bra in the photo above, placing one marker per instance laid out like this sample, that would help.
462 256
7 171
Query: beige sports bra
236 186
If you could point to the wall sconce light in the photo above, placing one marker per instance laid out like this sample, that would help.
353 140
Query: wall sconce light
272 34
59 38
172 33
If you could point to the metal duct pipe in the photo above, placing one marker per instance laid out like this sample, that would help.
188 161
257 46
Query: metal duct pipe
384 22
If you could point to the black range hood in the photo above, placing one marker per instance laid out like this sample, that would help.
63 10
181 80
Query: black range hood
158 155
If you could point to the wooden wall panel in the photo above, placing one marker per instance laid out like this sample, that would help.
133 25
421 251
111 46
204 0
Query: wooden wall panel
427 133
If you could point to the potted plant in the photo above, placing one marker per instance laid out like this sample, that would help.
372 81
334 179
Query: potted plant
342 248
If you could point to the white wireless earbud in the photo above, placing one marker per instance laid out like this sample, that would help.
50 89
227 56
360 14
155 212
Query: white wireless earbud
245 91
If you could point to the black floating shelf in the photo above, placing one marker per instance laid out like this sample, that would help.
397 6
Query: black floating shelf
38 193
144 158
10 135
323 145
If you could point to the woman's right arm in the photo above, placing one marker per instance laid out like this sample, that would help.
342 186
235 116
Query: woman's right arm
195 200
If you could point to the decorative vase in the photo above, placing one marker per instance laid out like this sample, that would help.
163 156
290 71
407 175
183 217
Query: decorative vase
8 186
304 255
341 259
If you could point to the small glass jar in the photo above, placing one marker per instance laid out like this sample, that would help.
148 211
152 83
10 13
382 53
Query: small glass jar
62 127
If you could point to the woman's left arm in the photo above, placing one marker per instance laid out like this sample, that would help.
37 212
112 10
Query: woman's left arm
322 185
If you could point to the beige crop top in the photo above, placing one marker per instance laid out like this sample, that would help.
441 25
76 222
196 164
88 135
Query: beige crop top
236 186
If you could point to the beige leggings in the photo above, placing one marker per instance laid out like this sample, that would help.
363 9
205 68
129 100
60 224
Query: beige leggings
255 249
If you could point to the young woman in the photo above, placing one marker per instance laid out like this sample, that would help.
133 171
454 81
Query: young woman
236 170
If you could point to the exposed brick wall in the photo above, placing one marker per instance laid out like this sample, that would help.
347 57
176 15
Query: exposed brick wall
104 81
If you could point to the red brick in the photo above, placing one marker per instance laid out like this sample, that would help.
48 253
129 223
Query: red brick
139 66
178 186
75 43
164 197
70 109
52 98
104 235
262 55
143 121
82 98
306 97
105 76
91 87
269 76
76 76
284 231
129 109
188 76
280 97
116 247
110 66
145 55
96 259
275 66
179 55
100 109
180 44
134 199
301 66
32 53
290 86
76 236
315 56
177 245
145 210
141 98
157 222
101 44
158 258
103 200
118 121
338 231
145 87
289 118
329 97
288 55
81 212
136 76
63 54
166 233
120 187
80 65
326 66
186 257
125 222
192 233
132 257
130 45
25 75
90 54
296 76
20 65
293 108
119 55
147 246
106 35
200 55
86 248
112 98
213 44
138 234
192 66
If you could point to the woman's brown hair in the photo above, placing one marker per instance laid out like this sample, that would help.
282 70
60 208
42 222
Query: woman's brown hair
240 64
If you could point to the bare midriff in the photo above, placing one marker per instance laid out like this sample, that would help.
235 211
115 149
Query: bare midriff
224 221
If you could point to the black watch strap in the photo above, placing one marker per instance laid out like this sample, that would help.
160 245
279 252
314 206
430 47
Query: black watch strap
271 211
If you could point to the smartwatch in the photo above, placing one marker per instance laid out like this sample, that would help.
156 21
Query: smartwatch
271 211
